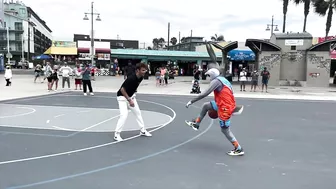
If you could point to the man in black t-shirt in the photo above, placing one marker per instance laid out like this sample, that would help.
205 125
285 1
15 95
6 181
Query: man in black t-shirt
265 75
126 100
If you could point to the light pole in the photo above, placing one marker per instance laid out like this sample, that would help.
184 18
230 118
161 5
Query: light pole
9 55
92 37
272 25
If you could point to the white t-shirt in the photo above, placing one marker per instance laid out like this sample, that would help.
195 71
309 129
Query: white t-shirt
65 71
243 76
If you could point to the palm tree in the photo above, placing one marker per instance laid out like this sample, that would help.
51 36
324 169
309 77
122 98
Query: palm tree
155 43
216 38
173 40
284 10
161 42
306 11
325 7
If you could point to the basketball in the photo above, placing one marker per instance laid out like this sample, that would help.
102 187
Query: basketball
212 114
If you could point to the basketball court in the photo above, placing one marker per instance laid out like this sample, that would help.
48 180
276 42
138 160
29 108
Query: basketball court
66 141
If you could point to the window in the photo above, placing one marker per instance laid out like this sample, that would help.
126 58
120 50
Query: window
22 11
18 26
3 36
293 48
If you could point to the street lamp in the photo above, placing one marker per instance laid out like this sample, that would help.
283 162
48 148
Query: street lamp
272 25
92 37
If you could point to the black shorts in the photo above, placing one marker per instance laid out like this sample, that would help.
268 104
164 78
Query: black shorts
254 82
49 79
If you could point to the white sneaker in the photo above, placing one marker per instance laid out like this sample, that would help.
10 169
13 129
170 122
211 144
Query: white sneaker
85 94
236 152
91 94
118 138
145 133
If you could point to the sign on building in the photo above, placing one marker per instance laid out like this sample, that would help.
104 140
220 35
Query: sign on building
294 42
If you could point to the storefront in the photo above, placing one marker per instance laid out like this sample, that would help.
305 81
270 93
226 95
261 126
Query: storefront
241 59
62 51
102 53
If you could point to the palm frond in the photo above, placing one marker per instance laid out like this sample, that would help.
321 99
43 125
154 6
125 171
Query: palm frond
297 2
321 7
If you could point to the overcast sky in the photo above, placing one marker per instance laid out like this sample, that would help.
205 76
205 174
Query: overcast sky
144 20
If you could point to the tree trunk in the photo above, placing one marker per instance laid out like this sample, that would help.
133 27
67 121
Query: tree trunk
284 11
306 12
284 24
329 19
304 23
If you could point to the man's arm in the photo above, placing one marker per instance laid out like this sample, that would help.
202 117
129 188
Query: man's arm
123 90
124 93
214 84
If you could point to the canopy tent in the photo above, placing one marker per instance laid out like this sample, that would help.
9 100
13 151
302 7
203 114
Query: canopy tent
61 51
42 57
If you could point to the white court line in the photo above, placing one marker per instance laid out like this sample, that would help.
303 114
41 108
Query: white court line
97 146
27 127
32 134
64 107
61 128
20 99
72 130
92 126
59 115
18 115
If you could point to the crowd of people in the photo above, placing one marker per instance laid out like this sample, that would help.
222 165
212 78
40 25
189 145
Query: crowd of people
83 74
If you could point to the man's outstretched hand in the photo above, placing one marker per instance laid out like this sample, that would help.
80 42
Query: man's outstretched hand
188 104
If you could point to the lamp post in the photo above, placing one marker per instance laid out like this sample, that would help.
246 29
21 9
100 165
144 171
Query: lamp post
92 37
272 25
9 55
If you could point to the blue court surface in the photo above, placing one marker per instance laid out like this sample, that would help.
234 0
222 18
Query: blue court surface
66 141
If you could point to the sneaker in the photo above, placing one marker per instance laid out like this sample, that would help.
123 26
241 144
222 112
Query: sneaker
91 94
145 133
85 94
238 110
118 138
236 152
193 124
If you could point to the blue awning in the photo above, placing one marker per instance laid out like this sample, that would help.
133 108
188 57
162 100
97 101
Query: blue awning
42 57
241 55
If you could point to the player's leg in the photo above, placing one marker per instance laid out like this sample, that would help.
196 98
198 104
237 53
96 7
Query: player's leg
123 109
194 123
137 112
225 128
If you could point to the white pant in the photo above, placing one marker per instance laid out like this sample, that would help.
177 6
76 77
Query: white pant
123 108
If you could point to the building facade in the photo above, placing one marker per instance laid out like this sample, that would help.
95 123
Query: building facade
28 33
187 44
114 43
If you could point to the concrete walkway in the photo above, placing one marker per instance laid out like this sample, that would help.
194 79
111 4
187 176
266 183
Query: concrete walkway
23 86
